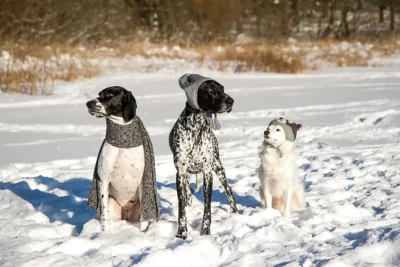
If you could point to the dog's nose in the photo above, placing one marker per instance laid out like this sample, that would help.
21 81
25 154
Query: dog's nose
230 101
266 133
91 104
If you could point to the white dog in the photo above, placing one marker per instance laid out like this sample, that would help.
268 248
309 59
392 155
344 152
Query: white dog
281 187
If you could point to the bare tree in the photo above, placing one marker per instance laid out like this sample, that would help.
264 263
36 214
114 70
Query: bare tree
392 16
191 21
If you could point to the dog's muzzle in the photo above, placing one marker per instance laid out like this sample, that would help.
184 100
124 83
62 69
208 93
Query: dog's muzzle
95 108
227 105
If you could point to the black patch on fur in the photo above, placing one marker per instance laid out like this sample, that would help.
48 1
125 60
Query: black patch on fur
211 97
295 127
117 101
130 107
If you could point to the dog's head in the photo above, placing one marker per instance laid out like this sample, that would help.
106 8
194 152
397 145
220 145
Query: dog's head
212 98
113 101
280 131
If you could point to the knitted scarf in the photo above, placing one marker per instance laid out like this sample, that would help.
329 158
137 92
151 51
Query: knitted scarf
128 136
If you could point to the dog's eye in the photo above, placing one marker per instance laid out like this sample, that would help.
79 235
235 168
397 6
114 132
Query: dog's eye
278 130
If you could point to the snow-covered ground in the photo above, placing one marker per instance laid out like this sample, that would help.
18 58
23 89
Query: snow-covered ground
348 156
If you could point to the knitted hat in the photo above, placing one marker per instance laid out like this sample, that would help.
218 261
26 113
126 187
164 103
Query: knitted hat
290 128
190 83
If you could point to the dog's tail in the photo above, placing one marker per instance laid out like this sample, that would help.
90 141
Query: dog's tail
199 181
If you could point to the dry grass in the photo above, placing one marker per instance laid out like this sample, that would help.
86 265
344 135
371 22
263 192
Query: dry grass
353 53
37 77
294 57
34 69
260 58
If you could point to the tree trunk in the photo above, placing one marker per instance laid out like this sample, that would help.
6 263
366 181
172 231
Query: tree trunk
258 24
332 13
381 15
392 18
331 20
344 23
359 4
238 22
295 13
144 9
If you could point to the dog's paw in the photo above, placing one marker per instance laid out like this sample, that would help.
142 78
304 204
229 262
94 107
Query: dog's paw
105 227
143 226
182 233
234 209
205 231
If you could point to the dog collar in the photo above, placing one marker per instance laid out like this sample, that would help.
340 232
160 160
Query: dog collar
123 136
193 110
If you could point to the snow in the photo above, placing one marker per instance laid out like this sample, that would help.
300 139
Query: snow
348 157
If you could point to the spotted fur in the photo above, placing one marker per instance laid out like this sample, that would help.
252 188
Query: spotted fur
195 150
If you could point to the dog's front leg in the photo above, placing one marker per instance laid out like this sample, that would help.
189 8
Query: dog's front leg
288 201
207 189
104 205
187 191
220 172
266 197
182 220
263 202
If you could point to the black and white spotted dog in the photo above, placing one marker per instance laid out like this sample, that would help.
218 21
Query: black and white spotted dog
195 147
124 180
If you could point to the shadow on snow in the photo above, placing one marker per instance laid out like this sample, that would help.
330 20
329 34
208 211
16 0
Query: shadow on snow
72 208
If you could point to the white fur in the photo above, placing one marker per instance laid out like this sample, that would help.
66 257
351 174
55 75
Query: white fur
281 187
102 109
199 181
120 171
119 120
102 113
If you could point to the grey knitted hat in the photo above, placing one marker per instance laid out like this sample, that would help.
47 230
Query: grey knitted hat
290 128
190 83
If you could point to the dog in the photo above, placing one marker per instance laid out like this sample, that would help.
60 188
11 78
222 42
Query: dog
195 147
124 185
281 188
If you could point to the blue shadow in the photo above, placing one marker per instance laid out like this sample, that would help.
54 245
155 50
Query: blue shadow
217 196
67 209
72 208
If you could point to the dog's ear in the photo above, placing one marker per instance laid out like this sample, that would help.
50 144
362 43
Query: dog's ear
130 108
298 126
219 86
102 91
